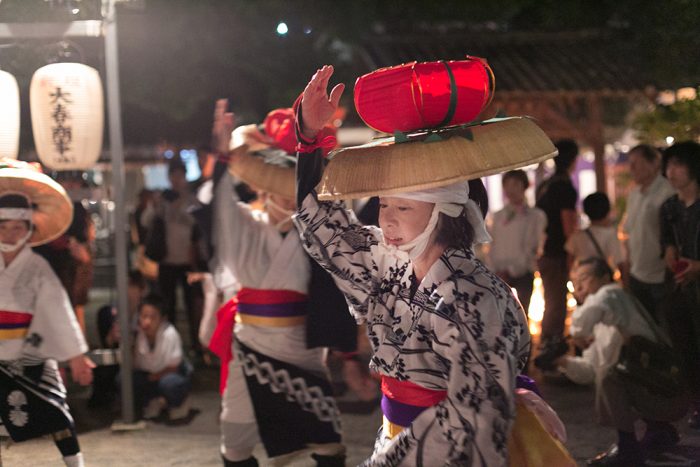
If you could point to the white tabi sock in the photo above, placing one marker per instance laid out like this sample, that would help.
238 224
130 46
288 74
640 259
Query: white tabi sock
76 460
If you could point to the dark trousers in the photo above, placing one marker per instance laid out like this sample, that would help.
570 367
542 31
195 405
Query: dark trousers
681 313
168 278
174 387
523 285
554 271
619 404
649 295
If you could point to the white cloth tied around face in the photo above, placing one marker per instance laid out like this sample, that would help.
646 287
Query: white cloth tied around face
450 200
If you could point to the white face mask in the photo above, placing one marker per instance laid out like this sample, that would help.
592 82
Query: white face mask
287 214
417 246
10 248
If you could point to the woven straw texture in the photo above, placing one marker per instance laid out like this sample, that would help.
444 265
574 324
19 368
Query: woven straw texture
383 167
260 175
53 210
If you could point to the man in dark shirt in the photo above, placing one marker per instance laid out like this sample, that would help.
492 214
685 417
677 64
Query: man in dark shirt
680 242
557 197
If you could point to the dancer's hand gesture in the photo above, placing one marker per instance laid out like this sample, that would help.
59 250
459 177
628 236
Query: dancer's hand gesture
317 106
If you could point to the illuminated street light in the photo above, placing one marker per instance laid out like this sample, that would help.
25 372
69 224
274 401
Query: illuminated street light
282 29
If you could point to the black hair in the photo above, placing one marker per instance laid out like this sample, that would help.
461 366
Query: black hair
647 151
176 164
686 153
518 175
596 206
599 267
14 200
568 151
457 232
105 320
136 278
154 300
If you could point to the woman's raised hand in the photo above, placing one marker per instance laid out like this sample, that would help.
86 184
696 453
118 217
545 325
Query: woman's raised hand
317 106
222 127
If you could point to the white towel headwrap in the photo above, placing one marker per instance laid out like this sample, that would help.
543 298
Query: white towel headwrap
450 200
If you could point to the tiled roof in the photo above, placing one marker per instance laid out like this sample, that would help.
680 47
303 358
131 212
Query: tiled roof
540 62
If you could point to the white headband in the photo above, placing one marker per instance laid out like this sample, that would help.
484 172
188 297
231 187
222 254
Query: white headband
15 214
450 200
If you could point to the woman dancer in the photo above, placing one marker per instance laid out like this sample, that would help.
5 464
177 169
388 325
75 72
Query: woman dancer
447 334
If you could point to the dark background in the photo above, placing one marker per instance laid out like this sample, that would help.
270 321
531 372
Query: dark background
177 56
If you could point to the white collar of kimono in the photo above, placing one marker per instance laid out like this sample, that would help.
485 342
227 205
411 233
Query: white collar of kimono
16 214
286 213
450 200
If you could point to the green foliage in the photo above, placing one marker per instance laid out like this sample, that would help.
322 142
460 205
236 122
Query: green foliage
680 120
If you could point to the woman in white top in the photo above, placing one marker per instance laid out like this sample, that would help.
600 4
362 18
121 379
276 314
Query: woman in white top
518 234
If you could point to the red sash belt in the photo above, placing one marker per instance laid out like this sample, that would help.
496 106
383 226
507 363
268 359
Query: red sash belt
410 393
403 402
264 303
14 324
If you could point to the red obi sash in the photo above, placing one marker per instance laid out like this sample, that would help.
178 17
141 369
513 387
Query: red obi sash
14 324
410 393
254 306
403 401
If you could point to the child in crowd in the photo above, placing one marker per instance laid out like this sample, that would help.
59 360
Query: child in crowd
600 239
162 377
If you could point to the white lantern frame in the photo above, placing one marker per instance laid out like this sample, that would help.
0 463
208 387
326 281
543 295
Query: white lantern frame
67 110
9 115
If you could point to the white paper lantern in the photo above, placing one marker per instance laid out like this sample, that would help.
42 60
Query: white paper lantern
9 115
67 115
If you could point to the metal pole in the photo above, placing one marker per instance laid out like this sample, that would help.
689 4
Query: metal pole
120 219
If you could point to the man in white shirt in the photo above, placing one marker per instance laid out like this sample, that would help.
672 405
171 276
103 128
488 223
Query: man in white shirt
617 404
641 228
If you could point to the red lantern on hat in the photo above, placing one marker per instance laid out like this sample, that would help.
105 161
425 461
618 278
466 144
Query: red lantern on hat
416 95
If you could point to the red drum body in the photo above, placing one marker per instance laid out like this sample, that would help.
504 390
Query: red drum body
416 95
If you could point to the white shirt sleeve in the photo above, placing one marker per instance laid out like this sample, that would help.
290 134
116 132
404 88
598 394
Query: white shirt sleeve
54 321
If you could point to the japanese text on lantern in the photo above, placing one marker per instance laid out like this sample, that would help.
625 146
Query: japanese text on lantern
62 133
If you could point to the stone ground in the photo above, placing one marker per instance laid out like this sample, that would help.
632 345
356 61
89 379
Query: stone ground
196 444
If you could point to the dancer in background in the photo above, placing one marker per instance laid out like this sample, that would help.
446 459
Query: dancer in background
38 327
276 386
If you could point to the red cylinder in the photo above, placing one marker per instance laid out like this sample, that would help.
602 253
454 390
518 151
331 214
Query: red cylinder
416 95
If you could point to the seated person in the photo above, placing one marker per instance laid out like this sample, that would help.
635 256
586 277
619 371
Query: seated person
618 404
162 377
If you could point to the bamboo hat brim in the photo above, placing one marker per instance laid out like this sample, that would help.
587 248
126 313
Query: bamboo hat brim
52 209
261 175
434 158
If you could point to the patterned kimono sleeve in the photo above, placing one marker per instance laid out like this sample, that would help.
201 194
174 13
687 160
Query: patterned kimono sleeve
335 239
54 331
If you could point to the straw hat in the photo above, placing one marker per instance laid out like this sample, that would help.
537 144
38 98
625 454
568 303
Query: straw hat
261 165
52 209
264 154
433 158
